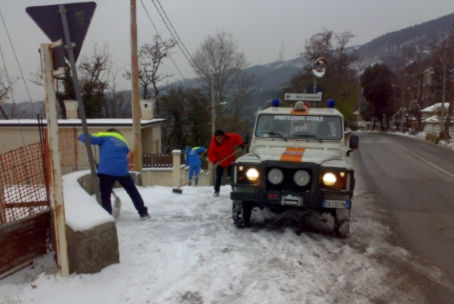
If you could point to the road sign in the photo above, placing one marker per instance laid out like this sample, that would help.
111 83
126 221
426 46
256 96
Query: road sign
79 16
304 97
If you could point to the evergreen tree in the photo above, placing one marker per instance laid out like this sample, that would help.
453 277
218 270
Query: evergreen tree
376 82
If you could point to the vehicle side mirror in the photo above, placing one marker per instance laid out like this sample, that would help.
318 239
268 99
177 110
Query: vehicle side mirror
245 138
354 141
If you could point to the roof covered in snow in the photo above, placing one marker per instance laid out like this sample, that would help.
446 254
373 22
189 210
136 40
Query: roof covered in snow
434 107
434 118
95 122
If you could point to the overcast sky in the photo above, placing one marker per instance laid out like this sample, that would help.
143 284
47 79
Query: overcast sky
261 28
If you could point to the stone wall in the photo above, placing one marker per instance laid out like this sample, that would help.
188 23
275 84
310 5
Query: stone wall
91 250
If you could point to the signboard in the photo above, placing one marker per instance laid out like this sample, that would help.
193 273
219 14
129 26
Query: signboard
49 20
304 97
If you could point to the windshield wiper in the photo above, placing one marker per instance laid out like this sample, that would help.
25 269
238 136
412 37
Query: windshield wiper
308 136
275 134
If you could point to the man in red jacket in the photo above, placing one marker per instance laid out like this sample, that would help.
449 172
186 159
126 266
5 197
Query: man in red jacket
222 154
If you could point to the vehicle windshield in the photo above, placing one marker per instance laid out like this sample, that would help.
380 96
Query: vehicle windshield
288 126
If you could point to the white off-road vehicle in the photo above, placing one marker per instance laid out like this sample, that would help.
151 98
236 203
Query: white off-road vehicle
296 160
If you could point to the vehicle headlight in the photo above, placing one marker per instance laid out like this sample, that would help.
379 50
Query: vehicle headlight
252 174
329 179
275 176
302 178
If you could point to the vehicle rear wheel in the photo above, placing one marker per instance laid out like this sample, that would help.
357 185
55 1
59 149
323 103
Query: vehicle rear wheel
241 213
342 223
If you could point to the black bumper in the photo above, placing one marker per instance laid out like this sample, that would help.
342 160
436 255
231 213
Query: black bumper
262 193
276 198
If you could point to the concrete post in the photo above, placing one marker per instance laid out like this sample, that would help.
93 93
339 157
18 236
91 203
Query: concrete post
176 168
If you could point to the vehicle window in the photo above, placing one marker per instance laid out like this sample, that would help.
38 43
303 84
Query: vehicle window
299 126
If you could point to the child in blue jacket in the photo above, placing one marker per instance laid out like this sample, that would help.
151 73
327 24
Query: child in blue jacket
193 160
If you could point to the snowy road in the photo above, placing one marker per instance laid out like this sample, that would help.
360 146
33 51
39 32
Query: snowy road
190 252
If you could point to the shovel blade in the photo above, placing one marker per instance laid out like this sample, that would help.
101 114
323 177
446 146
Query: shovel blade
178 191
116 208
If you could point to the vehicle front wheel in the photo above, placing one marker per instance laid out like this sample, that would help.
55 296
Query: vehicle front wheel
241 213
342 223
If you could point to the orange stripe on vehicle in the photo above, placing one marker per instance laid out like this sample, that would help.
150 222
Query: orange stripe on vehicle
293 154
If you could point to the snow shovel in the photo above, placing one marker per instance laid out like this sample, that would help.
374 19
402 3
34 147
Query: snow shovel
117 206
179 191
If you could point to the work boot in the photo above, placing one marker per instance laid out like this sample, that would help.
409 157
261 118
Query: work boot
216 194
145 217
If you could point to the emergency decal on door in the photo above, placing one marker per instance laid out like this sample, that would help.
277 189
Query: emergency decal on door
293 154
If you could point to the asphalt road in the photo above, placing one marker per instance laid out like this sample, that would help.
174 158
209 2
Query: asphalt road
414 183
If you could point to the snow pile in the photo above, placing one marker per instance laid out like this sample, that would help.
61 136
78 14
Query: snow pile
82 212
190 252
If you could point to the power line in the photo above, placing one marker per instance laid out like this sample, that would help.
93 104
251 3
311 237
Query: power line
174 30
12 96
170 31
7 75
161 38
15 56
201 103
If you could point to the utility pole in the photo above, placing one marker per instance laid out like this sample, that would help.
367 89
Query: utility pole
213 109
136 123
315 90
403 105
213 126
443 96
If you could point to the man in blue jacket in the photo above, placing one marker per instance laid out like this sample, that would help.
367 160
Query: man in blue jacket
113 166
193 160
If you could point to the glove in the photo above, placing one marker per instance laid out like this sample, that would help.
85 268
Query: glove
242 147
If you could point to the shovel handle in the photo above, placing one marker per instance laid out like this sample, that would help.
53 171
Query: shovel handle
217 163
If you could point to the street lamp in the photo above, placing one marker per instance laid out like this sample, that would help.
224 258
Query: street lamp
394 99
443 99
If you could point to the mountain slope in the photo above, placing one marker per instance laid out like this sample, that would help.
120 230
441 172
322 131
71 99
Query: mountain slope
386 48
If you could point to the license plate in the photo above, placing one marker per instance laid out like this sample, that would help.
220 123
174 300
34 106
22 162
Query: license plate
292 200
336 204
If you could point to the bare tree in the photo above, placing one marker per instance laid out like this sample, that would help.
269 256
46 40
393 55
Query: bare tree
117 101
151 56
218 58
340 81
186 118
333 47
95 73
6 86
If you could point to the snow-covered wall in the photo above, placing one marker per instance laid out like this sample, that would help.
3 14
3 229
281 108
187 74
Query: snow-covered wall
82 212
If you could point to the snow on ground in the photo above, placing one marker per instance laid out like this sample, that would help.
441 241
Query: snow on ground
190 252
